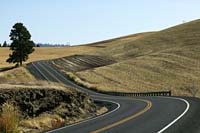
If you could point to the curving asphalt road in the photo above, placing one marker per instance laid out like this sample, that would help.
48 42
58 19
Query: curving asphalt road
130 114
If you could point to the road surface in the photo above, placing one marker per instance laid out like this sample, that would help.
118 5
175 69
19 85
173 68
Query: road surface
129 114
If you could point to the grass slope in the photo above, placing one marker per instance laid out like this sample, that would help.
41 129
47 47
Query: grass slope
94 58
45 53
168 59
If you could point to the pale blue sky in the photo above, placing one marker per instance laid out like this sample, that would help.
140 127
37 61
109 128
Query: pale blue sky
83 21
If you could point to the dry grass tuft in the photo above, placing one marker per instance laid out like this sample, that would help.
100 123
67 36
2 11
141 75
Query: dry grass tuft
42 122
9 119
57 123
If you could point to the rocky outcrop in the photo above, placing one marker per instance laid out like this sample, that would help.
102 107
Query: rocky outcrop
33 102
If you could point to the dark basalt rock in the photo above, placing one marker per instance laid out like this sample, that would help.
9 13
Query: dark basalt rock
33 102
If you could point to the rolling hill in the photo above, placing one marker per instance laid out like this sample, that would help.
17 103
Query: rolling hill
163 60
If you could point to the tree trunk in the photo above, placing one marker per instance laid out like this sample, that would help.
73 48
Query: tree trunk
20 62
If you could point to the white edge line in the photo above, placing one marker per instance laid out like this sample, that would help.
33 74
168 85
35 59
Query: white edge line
118 106
48 72
175 120
39 71
64 78
60 75
160 131
90 119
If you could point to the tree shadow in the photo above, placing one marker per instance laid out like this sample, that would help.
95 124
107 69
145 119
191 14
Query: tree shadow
7 68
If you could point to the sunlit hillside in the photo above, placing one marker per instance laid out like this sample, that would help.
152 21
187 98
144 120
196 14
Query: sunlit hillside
168 59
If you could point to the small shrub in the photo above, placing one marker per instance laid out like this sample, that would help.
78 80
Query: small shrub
9 119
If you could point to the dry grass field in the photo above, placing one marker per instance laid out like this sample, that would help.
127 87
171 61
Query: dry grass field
168 59
163 60
44 53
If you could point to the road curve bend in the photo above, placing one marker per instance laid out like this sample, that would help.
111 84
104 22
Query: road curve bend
129 114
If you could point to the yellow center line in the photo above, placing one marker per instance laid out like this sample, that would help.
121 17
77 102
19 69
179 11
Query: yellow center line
148 106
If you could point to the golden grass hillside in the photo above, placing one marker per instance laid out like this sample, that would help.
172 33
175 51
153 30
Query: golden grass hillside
119 40
174 38
168 59
45 53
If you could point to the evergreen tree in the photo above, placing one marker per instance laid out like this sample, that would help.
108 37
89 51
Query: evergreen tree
5 44
21 45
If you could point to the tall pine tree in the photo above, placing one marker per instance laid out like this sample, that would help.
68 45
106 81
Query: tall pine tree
21 45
